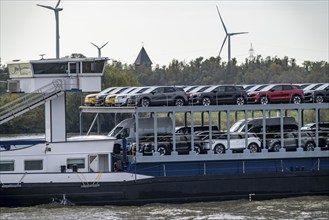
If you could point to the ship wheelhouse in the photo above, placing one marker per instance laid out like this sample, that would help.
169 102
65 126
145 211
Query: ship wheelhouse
80 73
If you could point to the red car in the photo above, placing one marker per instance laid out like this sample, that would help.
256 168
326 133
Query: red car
277 93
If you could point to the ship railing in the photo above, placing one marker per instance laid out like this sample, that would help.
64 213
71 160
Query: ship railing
31 100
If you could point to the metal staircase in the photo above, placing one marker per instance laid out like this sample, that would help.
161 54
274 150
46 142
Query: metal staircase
31 100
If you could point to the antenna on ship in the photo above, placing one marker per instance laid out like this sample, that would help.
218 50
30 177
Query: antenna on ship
251 52
99 48
56 10
42 55
228 37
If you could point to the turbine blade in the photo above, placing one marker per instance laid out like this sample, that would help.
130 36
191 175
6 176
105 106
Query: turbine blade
45 6
221 20
104 45
222 46
94 45
236 33
59 1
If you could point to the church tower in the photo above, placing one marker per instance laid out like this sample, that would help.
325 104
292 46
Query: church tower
143 59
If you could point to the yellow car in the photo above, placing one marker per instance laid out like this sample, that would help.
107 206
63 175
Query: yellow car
110 100
90 100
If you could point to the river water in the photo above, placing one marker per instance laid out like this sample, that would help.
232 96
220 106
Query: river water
315 207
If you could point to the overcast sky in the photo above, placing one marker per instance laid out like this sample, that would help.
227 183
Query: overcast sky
182 30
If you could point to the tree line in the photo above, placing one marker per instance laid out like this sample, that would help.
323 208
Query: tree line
200 71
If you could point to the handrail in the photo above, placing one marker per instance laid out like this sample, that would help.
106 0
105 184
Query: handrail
31 99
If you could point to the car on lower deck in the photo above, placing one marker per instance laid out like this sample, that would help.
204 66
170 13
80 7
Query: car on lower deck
165 144
290 142
277 93
186 130
219 142
322 132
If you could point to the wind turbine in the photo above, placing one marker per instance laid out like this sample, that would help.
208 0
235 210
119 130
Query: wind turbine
56 10
99 48
228 36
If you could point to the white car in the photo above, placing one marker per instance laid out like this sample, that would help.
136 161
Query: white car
237 142
121 100
110 99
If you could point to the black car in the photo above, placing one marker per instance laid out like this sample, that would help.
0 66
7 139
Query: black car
223 94
146 143
317 96
290 140
165 144
159 96
326 146
323 132
196 128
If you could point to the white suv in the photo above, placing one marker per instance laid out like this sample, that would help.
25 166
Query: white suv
237 142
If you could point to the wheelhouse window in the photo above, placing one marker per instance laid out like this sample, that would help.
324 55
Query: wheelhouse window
50 68
95 66
7 165
74 67
79 162
33 165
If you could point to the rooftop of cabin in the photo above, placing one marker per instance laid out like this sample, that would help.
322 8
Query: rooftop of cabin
61 66
61 60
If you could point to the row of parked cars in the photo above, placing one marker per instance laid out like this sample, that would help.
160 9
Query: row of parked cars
239 141
208 95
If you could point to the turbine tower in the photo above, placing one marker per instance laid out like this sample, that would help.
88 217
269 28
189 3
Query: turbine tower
251 52
99 48
56 10
228 37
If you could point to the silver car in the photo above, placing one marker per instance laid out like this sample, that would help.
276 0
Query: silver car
159 96
219 143
121 99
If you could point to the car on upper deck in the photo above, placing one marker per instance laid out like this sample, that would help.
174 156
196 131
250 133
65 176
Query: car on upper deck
100 98
110 99
195 89
121 99
311 87
219 94
159 96
319 95
277 93
255 87
90 99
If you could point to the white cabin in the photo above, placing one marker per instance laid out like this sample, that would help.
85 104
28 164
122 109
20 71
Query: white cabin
79 73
